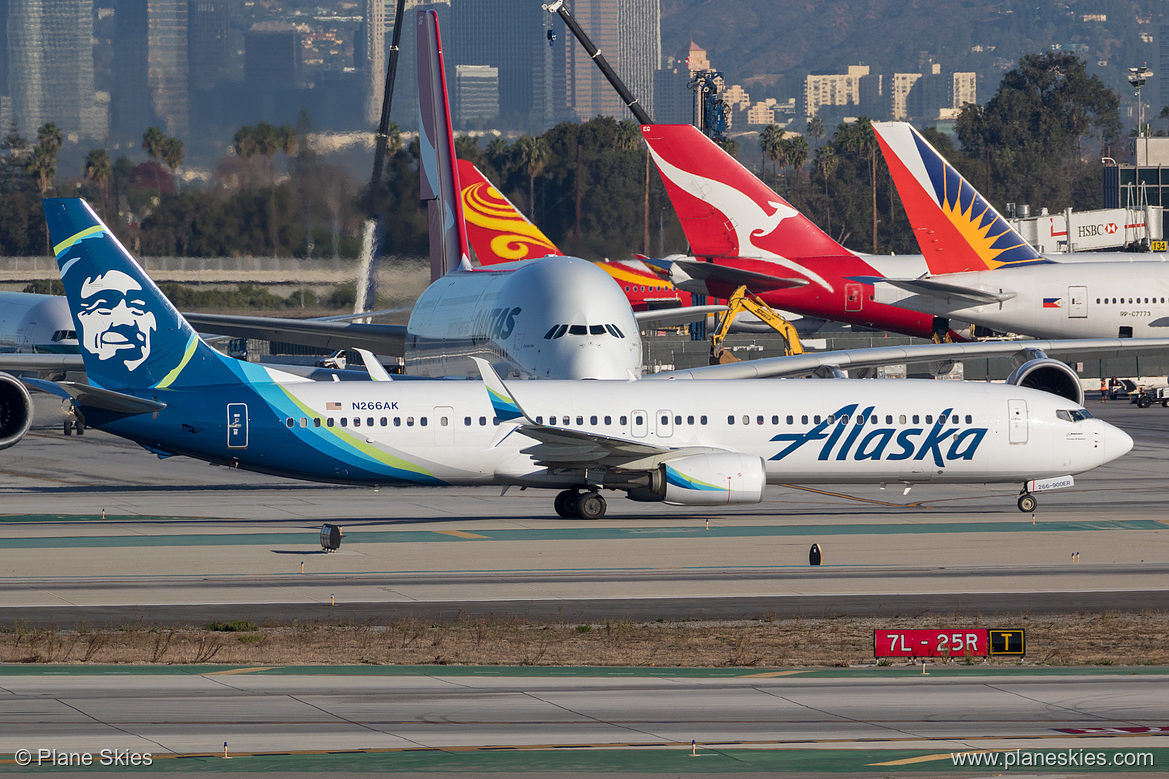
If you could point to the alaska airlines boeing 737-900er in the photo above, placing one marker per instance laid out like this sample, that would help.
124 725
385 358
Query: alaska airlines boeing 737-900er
155 382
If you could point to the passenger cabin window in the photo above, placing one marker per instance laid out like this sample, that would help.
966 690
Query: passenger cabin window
290 422
790 419
702 419
316 421
608 420
592 420
409 421
730 419
624 420
397 421
344 421
969 419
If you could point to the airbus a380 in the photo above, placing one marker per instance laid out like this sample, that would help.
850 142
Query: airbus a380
981 270
154 381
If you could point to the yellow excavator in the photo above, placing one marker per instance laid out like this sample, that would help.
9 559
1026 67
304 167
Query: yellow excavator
742 300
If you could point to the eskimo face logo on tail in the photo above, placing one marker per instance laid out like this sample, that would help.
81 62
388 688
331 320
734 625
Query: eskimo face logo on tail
114 320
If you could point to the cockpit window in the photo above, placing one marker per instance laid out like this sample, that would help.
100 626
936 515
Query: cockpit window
596 329
617 330
548 335
64 335
561 331
1073 415
578 330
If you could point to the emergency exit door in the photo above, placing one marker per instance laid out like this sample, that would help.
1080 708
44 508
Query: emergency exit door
237 425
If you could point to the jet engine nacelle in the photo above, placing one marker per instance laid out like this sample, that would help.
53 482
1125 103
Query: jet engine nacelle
15 410
1049 375
707 480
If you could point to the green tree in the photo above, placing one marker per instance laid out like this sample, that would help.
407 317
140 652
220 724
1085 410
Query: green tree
98 169
771 144
14 159
797 151
815 130
531 155
43 164
859 138
153 141
173 153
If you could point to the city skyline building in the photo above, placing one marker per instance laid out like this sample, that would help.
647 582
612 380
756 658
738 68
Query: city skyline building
628 33
207 42
48 67
371 52
150 68
476 95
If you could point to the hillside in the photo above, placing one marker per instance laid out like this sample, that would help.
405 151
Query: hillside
771 46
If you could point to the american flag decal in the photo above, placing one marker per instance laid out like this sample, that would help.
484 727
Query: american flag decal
332 407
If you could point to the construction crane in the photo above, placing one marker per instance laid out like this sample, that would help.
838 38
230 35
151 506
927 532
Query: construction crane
743 300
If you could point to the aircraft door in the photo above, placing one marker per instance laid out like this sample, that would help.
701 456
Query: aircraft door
640 423
1017 421
854 295
665 423
1077 302
237 425
444 425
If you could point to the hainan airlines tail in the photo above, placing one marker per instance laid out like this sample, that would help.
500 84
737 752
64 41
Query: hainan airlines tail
957 229
497 230
724 209
449 248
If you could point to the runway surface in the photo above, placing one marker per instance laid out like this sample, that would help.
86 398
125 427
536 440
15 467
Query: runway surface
97 530
460 719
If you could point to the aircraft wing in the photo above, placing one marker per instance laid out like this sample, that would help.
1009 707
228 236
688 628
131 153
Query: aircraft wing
734 277
561 447
21 361
954 295
378 338
669 317
803 364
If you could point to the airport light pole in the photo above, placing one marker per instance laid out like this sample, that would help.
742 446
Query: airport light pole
1137 77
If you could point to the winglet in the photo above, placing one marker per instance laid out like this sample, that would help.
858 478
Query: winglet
449 248
375 369
505 405
956 228
498 231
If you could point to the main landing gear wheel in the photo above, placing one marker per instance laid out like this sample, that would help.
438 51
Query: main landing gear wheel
590 506
565 503
1027 502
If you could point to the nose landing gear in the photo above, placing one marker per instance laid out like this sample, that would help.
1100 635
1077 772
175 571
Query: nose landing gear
1027 502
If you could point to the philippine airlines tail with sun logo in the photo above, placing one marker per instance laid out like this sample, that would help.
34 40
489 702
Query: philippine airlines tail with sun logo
497 230
957 229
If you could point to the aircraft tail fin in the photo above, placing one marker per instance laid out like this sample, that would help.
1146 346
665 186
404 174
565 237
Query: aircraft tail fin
498 231
956 228
130 335
724 209
449 248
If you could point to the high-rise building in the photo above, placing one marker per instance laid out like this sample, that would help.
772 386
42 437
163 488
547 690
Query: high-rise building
834 89
150 68
372 52
963 89
628 34
510 36
49 66
903 84
207 32
476 95
272 55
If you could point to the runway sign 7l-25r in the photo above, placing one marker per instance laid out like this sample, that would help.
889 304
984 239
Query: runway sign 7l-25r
950 642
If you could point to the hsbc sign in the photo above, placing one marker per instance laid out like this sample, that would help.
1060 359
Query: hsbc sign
1090 231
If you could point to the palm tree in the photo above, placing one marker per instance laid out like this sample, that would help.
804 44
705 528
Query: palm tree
862 141
628 136
797 151
531 156
815 130
244 142
98 170
153 141
43 163
172 154
826 162
771 143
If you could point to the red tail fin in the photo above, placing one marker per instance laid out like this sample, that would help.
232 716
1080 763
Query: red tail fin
497 230
726 211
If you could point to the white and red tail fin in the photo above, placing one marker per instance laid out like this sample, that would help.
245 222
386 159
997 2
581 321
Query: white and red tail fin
957 229
449 248
497 230
724 209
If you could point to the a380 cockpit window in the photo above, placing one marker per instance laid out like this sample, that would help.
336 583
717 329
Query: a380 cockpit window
64 335
556 332
1073 415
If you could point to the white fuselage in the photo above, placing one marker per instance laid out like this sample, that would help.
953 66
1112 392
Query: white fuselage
1077 299
36 323
512 315
805 431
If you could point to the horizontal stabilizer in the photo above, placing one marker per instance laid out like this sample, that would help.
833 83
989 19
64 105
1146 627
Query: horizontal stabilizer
966 296
671 317
21 361
118 402
736 277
